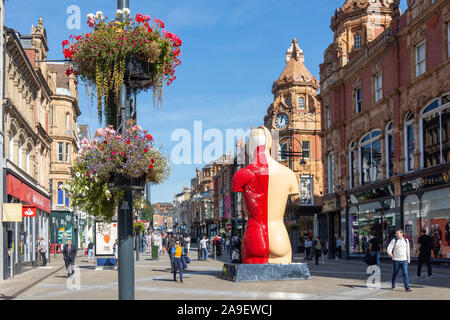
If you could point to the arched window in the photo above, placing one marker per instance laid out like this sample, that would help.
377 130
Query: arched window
67 121
410 144
28 160
370 157
283 151
389 140
352 163
20 163
11 145
60 194
435 132
358 41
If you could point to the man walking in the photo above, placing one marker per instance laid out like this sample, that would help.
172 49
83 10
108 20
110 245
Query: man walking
308 247
171 244
399 251
375 248
90 251
424 251
43 251
69 254
204 248
317 250
339 247
176 252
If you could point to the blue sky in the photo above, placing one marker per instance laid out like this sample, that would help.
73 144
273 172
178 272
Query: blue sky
233 50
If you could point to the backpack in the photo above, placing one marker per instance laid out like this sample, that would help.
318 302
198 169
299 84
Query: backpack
396 243
317 245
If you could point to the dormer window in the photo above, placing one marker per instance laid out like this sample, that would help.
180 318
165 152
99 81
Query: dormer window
357 41
301 103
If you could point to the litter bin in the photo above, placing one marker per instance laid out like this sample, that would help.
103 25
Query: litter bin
155 252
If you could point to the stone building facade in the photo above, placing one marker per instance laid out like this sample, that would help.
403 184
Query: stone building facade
294 116
26 101
384 90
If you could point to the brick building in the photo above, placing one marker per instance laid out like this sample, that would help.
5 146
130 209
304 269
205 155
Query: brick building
385 92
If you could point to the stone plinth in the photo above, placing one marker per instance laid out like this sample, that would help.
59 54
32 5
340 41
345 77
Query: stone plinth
265 272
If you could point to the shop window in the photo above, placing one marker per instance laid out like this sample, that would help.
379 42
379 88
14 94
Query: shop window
306 190
389 140
410 145
435 133
20 155
370 157
435 219
352 164
412 221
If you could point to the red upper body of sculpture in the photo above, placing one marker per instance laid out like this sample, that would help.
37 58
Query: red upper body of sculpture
253 181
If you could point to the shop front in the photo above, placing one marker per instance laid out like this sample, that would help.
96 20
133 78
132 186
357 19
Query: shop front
426 205
374 211
328 223
26 230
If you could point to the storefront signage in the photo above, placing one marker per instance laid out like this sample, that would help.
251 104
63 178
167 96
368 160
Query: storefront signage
426 182
330 204
12 212
23 192
29 211
372 194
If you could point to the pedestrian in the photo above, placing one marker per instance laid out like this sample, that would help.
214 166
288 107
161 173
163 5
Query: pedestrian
116 252
436 243
43 251
188 243
308 247
399 251
90 251
325 249
69 254
235 256
228 246
317 249
170 245
375 248
424 252
204 248
364 244
339 247
148 240
177 252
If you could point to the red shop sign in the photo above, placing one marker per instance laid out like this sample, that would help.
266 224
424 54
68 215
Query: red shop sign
29 211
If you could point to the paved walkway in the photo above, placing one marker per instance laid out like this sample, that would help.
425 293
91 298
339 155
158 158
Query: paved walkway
336 280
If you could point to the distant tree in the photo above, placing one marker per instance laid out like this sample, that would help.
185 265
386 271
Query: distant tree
147 212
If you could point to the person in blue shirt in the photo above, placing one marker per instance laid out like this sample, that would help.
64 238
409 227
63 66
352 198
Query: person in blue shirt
177 254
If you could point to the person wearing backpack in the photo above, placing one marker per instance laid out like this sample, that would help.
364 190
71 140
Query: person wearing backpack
399 251
317 249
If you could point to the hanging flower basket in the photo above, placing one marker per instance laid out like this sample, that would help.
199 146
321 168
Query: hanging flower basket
132 50
109 163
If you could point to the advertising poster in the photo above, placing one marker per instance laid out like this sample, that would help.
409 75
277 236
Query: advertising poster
105 236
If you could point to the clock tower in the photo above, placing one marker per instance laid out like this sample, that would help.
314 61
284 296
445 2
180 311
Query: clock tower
295 114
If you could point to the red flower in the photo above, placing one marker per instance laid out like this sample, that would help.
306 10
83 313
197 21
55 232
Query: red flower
68 53
69 72
140 18
153 160
106 142
149 136
159 23
149 29
150 166
65 43
145 150
128 141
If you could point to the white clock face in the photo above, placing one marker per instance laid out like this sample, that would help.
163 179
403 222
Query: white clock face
282 121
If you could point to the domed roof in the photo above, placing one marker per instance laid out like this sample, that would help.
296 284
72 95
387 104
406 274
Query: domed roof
295 72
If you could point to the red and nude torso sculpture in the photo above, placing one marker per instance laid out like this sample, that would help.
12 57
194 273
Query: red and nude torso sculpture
266 186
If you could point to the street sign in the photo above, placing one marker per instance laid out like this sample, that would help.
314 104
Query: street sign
228 227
